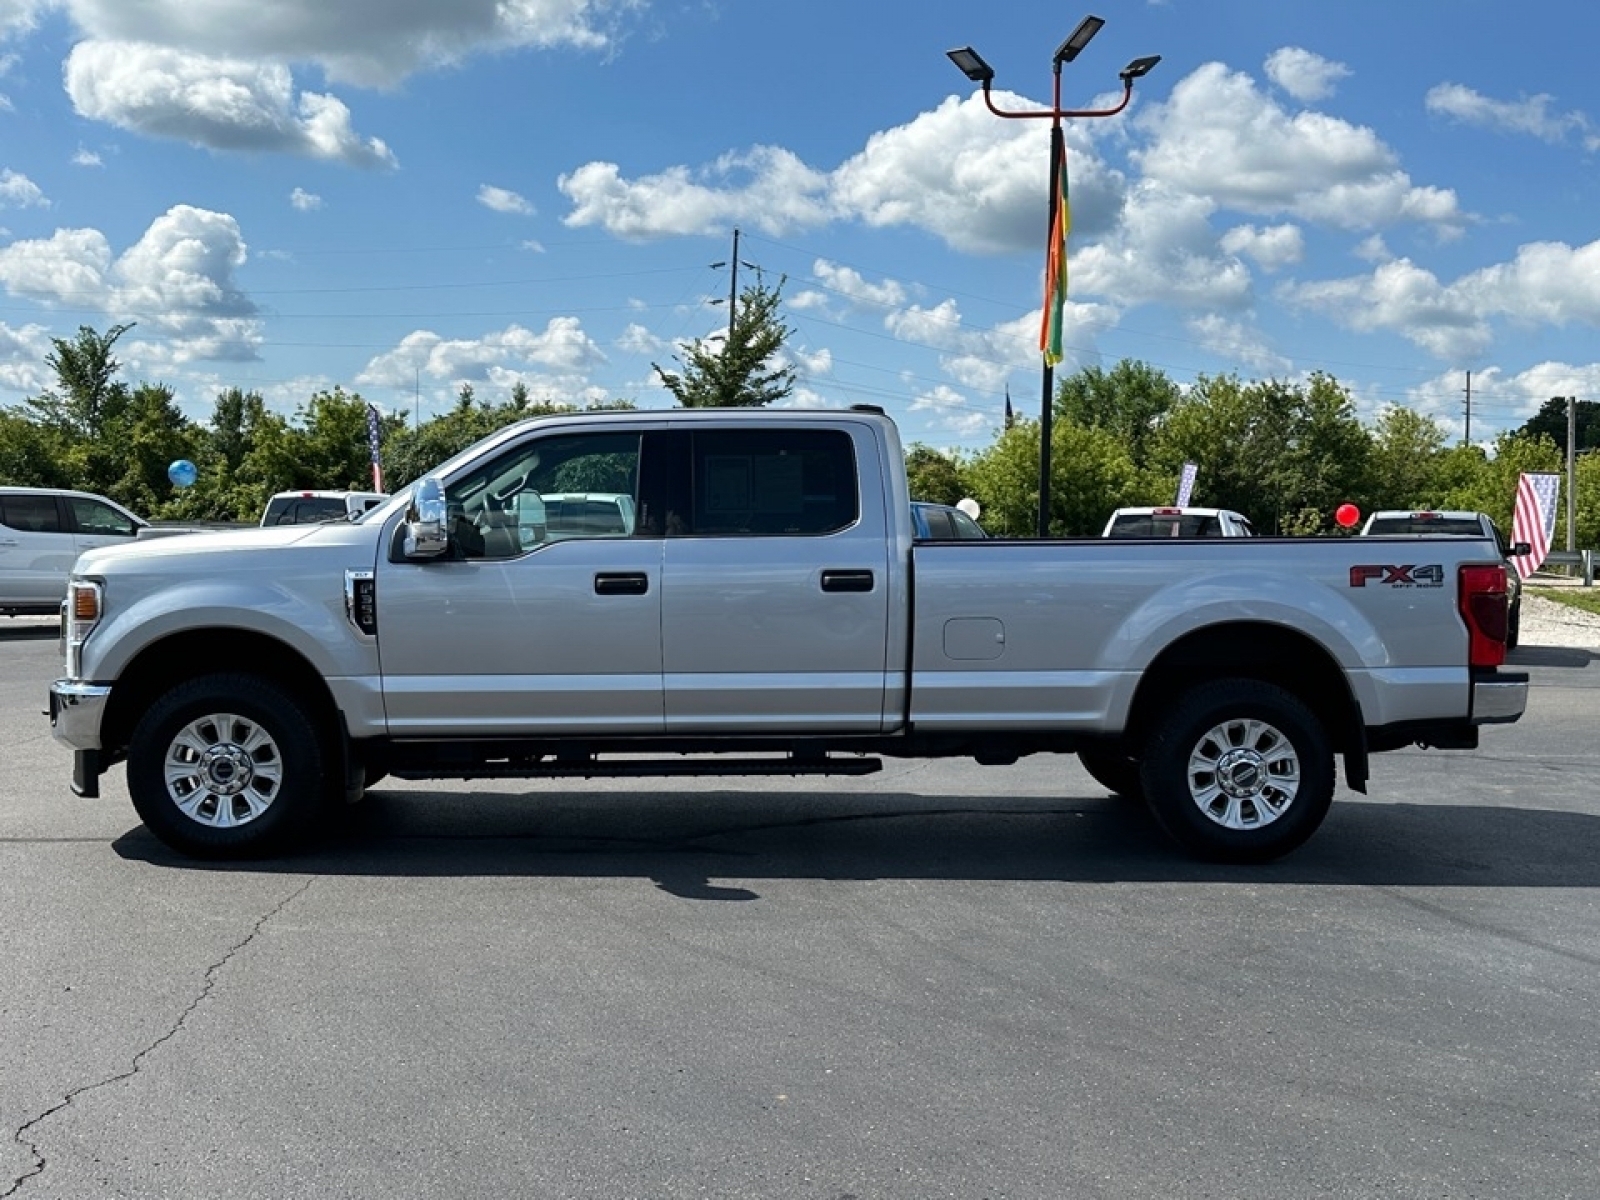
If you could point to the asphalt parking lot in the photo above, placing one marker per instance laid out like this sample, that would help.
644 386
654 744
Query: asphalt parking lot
942 980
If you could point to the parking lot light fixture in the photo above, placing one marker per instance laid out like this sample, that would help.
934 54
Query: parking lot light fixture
1078 39
972 65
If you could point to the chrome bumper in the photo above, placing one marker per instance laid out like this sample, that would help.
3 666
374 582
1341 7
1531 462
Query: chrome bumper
1499 700
75 712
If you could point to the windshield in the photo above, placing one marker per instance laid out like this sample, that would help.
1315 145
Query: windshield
1146 525
1416 523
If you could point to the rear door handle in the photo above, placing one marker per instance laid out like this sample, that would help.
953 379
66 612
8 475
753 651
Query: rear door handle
847 581
624 583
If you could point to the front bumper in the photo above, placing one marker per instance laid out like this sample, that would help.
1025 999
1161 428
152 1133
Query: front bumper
1500 698
76 710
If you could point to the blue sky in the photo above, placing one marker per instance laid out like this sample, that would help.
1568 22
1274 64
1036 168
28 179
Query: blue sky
402 196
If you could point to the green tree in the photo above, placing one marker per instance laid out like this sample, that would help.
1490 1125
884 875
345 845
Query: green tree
1129 401
1493 487
1091 473
744 371
89 396
31 454
1406 460
1286 455
1551 421
934 476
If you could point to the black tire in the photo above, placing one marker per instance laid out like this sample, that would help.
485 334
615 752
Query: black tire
1238 771
226 766
1114 771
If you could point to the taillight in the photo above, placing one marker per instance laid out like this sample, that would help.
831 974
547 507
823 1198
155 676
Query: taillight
1485 609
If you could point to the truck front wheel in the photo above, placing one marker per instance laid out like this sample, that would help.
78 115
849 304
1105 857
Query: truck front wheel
1238 771
225 766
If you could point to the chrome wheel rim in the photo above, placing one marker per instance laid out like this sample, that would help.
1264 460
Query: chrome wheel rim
223 770
1243 774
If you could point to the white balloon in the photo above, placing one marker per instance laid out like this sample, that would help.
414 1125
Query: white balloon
969 506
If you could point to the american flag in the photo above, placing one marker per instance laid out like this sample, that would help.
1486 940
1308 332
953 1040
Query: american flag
1535 518
372 445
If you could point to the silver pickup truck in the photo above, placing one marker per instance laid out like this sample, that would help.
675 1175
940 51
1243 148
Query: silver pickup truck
765 609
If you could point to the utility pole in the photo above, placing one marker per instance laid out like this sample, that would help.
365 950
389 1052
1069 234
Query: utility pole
1468 438
1572 460
733 282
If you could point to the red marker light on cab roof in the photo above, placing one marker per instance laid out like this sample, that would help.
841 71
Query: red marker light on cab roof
1166 512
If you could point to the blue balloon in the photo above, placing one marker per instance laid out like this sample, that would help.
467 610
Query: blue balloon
182 472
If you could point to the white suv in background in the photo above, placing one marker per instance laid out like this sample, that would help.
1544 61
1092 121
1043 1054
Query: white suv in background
42 532
311 506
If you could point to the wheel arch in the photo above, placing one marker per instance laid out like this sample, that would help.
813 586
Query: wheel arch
192 653
1262 651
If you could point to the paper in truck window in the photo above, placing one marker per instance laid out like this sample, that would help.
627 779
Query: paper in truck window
727 483
778 483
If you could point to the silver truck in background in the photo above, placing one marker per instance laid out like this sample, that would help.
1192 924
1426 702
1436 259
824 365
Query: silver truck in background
765 608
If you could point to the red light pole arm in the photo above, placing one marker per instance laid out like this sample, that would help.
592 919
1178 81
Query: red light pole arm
1058 112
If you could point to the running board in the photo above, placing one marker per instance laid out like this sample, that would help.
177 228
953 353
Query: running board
590 768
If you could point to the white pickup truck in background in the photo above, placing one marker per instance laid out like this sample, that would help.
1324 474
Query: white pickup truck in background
764 608
1177 522
1407 523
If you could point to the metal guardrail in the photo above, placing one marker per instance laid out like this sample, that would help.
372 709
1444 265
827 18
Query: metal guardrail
1582 559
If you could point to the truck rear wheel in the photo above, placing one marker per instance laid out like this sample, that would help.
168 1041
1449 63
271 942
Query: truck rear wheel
1114 771
225 766
1238 771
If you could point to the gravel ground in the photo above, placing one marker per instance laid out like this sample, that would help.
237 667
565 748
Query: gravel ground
1548 623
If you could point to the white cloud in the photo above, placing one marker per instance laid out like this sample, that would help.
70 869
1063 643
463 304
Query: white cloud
86 158
636 339
18 17
221 103
304 201
1529 115
1374 249
1400 297
814 363
1548 283
366 42
849 283
1304 75
766 187
950 413
1164 252
499 200
561 346
976 183
18 191
176 281
1220 137
1274 247
22 355
1239 342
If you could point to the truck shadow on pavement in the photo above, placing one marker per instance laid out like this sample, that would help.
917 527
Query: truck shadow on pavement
719 846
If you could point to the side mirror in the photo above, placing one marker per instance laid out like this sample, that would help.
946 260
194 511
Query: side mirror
1521 549
427 534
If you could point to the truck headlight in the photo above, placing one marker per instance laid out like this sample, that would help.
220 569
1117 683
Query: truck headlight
80 614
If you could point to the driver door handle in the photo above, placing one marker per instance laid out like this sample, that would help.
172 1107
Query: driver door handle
621 583
846 581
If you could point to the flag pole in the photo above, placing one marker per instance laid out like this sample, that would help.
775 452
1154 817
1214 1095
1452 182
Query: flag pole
1047 396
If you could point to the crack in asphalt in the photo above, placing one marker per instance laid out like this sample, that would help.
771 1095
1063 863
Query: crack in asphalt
20 1135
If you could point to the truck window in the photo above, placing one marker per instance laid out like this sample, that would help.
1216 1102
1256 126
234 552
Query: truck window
547 489
772 482
94 517
31 514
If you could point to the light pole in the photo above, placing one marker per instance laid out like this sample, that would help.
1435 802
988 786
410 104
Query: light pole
971 64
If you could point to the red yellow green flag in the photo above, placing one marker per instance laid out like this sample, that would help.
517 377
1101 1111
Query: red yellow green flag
1055 276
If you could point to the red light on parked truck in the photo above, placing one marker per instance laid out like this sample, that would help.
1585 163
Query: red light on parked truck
1486 610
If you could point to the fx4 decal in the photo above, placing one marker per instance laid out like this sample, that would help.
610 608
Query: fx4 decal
1429 576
